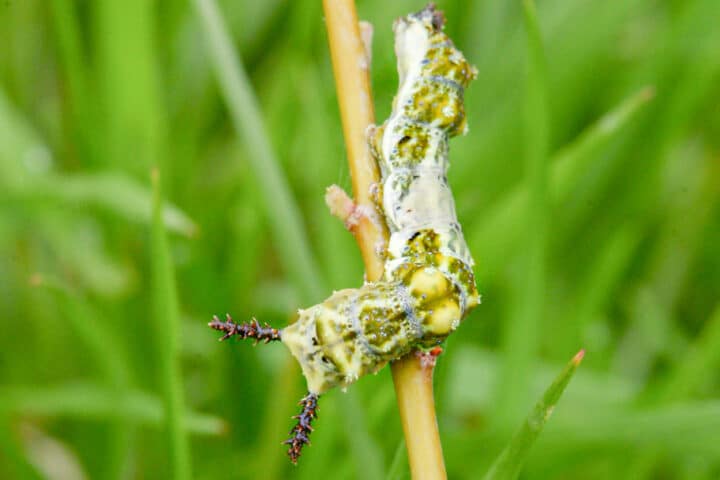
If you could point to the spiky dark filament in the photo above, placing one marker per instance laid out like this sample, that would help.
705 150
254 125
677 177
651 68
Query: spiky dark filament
245 330
299 435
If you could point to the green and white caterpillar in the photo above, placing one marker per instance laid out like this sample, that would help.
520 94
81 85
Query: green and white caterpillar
428 285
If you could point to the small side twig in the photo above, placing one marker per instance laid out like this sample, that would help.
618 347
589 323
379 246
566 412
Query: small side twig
344 208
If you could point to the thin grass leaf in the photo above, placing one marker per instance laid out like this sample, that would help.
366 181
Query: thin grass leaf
688 428
114 193
88 326
93 403
684 379
499 227
521 334
592 390
72 55
166 318
678 430
289 235
26 175
595 289
81 250
92 329
692 370
508 464
130 88
670 264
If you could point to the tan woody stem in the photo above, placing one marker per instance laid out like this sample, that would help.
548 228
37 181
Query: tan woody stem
412 375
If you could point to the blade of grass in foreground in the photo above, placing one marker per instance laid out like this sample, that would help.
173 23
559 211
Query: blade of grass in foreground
521 333
511 459
90 402
167 322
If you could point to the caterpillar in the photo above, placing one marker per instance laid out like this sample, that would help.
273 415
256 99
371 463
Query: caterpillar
428 285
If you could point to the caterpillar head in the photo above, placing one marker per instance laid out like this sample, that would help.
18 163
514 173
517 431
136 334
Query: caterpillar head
433 73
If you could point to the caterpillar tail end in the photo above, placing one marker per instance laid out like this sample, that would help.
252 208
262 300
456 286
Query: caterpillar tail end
252 329
300 434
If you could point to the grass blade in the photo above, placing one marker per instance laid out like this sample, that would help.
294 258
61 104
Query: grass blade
595 289
521 332
114 193
167 331
26 175
290 237
92 329
702 357
91 402
511 459
499 227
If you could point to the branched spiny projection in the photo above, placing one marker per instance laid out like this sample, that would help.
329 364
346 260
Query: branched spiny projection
428 285
245 330
300 434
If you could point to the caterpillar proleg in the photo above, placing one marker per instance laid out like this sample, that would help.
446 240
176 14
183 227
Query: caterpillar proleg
428 285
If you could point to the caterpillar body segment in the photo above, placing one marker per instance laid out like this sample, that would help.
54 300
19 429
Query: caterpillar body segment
428 285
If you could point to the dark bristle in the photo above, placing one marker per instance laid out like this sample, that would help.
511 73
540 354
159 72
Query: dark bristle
299 435
246 330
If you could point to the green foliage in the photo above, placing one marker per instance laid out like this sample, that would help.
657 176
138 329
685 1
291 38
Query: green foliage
608 135
520 335
166 323
508 464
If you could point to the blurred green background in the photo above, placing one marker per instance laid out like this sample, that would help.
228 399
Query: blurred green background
95 93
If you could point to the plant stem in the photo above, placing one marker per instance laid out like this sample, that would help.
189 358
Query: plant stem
414 390
351 67
412 378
